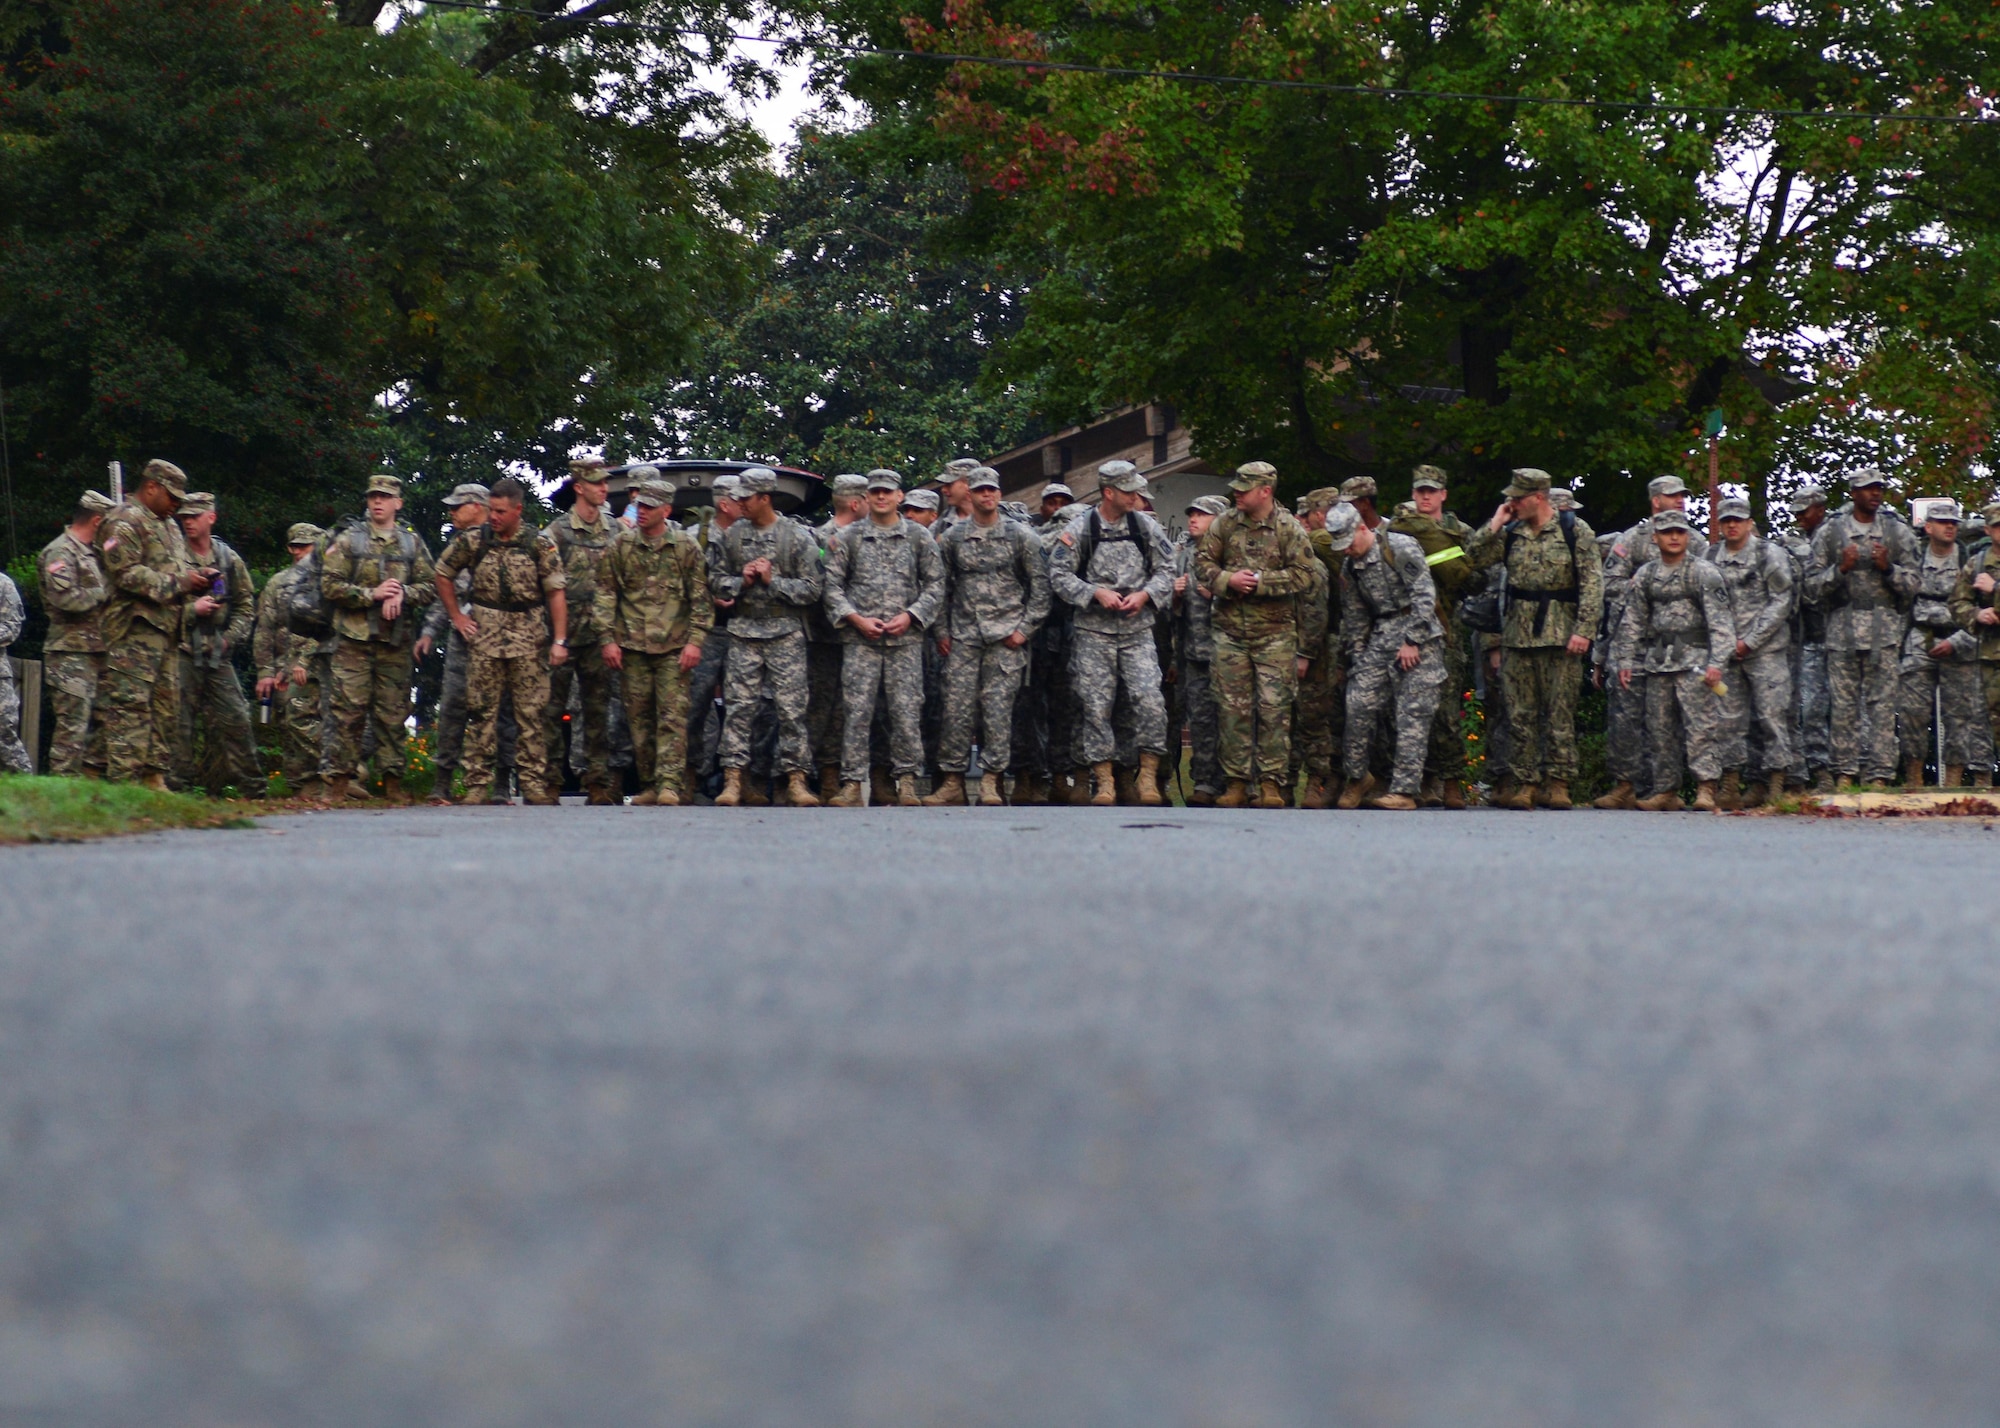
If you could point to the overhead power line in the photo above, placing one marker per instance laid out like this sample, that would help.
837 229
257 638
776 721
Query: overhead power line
1368 91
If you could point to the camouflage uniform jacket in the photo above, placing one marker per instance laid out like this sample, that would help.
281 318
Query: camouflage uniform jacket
1388 594
1762 591
1930 610
1118 563
1967 600
1808 612
211 639
1866 609
274 649
1676 619
882 572
359 558
1632 549
1446 542
767 612
653 596
1278 549
13 615
819 629
74 592
996 581
511 584
581 547
1196 642
145 561
1539 576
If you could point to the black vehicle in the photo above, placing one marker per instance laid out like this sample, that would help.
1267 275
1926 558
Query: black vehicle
799 492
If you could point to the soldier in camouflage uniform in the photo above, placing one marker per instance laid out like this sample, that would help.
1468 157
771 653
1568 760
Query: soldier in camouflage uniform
1044 721
1444 538
1939 668
378 578
1395 655
954 493
1319 715
466 508
216 623
146 565
13 615
825 649
997 591
582 534
516 573
1625 742
1758 578
1256 561
1194 648
769 568
291 670
652 602
73 592
1114 567
1555 596
1863 569
1677 628
1972 606
884 589
1812 743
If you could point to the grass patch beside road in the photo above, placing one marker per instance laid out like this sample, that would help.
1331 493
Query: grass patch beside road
62 810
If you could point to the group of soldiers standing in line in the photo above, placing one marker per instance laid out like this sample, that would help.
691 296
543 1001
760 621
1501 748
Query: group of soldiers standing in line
944 638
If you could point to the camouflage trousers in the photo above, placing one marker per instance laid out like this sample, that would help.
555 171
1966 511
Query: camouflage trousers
301 724
73 677
138 704
1989 679
1759 701
930 718
1446 755
1862 718
826 706
585 669
777 665
1683 726
1198 715
489 681
1043 718
13 754
1499 730
1255 682
1099 665
1319 713
1625 746
981 682
371 685
1379 690
1815 701
896 673
1923 684
656 708
452 714
212 696
1541 688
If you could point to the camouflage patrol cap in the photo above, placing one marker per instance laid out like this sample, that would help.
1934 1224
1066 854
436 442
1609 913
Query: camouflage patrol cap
1121 476
1056 488
654 492
643 472
849 483
96 501
920 500
728 487
383 484
1015 510
1666 486
883 479
302 533
588 468
197 503
1318 499
1428 478
1942 510
1672 521
168 475
468 493
1866 476
1252 474
984 478
1355 487
1342 521
1991 515
1561 498
1207 506
1733 509
1805 498
956 470
756 481
1527 480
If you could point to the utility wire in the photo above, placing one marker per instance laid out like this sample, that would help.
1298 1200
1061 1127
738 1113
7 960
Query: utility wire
1845 116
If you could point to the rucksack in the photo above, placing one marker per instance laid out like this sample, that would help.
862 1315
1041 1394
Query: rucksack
307 612
1093 532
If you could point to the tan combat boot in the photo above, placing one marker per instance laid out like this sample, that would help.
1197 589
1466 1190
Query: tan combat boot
881 789
1271 794
906 792
798 792
1079 786
475 795
1982 778
1521 800
645 798
1317 794
753 792
337 789
1913 773
1104 786
1503 790
1823 781
1666 801
667 798
1621 796
1351 796
1954 776
1431 793
1199 797
1234 796
732 789
848 797
156 781
1776 790
1028 791
949 793
829 781
1704 797
1149 781
1126 784
1393 802
1454 794
1555 795
990 792
598 795
1729 797
1540 794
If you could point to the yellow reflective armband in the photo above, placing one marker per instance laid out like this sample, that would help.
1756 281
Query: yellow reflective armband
1450 552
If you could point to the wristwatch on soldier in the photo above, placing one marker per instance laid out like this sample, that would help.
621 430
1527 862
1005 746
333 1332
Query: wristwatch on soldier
562 644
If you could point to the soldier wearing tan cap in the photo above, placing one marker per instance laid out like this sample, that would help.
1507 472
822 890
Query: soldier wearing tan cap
1972 606
218 622
291 670
73 592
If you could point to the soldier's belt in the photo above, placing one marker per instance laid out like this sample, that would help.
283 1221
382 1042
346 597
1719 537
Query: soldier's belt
1542 600
511 607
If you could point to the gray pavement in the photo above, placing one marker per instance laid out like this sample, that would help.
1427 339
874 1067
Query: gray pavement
1035 1117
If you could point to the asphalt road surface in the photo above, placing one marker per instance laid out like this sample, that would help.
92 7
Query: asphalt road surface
1028 1117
